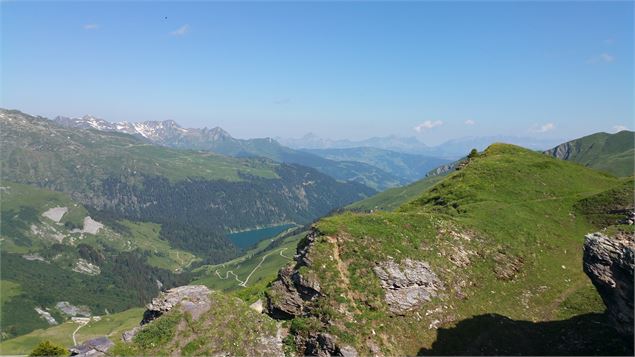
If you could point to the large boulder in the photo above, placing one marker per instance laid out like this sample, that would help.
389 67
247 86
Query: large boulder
96 347
192 298
610 262
407 285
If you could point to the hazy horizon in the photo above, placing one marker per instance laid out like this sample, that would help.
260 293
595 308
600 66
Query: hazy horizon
436 71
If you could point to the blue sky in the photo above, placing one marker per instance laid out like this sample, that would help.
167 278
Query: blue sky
341 70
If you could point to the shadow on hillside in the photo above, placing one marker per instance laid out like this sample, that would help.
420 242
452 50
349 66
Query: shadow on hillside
493 334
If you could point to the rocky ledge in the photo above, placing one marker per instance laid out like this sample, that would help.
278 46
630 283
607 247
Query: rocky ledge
193 298
92 348
290 293
610 262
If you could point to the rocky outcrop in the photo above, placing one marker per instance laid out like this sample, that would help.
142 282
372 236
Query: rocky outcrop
324 344
289 294
407 285
562 151
610 262
96 347
192 298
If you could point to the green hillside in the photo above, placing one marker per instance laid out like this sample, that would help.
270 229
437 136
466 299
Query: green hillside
260 265
392 198
109 325
43 255
502 236
613 153
196 197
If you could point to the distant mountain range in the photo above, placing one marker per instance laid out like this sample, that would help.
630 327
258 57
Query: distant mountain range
378 174
452 149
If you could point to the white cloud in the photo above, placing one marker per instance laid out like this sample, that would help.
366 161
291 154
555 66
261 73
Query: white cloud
602 58
91 27
181 30
543 128
619 128
428 124
470 122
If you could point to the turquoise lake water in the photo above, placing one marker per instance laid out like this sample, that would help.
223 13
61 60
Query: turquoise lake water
249 238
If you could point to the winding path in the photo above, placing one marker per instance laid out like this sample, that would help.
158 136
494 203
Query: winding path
244 283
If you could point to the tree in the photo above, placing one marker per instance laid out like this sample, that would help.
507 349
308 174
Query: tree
472 154
48 348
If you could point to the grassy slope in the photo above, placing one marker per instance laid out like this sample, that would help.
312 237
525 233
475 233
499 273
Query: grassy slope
229 327
392 198
110 325
244 265
612 153
511 207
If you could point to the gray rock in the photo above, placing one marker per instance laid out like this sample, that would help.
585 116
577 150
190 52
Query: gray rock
324 345
72 310
129 335
192 298
610 263
348 351
284 300
96 347
289 294
407 285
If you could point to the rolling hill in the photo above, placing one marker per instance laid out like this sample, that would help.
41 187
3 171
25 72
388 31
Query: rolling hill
611 153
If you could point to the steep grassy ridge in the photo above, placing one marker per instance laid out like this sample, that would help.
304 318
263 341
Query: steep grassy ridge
503 236
613 153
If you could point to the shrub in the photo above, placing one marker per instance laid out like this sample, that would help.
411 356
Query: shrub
48 348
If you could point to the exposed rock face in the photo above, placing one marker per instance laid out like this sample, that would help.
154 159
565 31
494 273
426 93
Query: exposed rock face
562 151
85 267
72 310
96 347
288 295
324 344
407 285
610 262
193 298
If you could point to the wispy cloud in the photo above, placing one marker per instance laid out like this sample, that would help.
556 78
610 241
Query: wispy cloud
619 128
601 58
543 128
609 41
470 122
90 27
285 100
428 124
181 30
